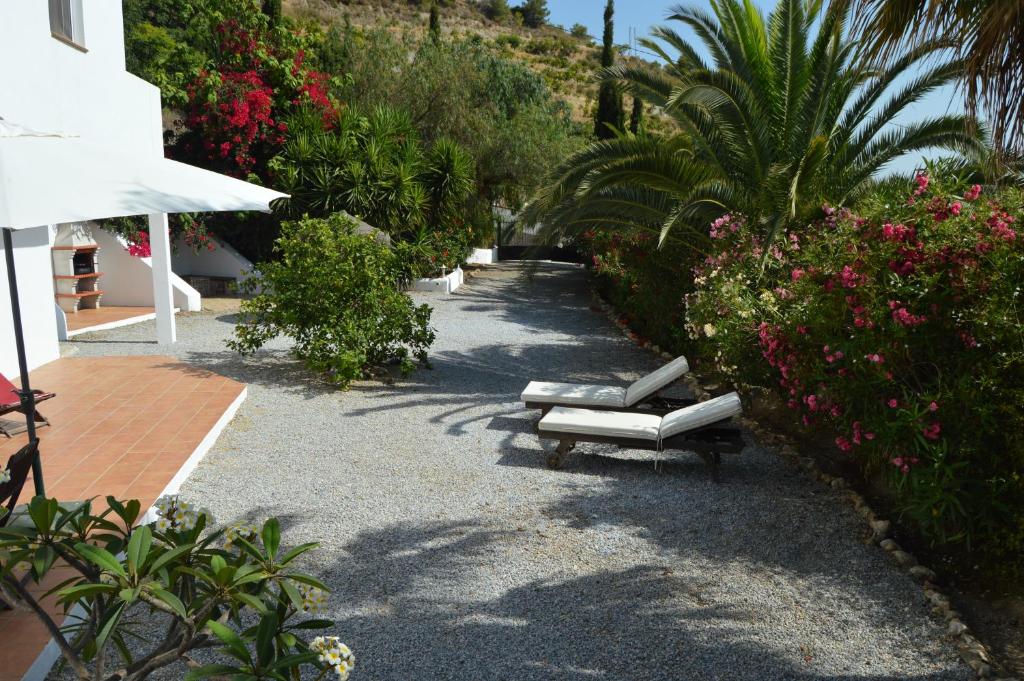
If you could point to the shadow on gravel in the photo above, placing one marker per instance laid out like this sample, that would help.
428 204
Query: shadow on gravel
401 606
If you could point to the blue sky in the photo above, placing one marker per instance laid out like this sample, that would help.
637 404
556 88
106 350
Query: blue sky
640 15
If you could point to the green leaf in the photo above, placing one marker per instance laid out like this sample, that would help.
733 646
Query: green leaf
165 558
170 599
295 660
107 626
310 581
265 635
297 551
138 547
79 591
235 645
292 593
271 536
252 601
101 558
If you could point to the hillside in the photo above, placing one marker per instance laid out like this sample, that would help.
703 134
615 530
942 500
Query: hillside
566 63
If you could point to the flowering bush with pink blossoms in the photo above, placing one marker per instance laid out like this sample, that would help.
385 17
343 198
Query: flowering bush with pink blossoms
897 329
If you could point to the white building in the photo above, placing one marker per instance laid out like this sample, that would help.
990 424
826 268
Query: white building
64 71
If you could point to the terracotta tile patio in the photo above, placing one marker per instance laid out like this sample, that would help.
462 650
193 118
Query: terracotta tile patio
119 425
101 316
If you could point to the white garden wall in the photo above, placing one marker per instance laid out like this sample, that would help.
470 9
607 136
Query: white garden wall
128 280
222 261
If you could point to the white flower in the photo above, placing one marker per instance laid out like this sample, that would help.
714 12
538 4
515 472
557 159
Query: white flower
5 475
709 330
314 600
334 654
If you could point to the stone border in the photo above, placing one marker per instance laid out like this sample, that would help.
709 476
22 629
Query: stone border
972 651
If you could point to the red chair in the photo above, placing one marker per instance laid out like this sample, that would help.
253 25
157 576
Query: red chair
10 401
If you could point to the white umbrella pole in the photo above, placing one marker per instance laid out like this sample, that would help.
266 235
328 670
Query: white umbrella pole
28 398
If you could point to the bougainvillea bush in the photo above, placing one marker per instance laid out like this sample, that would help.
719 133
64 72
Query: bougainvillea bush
257 74
335 294
898 329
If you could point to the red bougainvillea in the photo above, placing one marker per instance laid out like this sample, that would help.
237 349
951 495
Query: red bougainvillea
236 108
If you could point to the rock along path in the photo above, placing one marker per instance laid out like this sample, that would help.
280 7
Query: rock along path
456 554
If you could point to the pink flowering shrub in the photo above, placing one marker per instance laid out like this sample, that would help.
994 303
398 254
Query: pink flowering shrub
898 330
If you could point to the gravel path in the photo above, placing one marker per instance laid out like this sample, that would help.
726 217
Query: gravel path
457 555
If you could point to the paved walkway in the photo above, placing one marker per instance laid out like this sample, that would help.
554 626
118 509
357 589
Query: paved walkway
457 555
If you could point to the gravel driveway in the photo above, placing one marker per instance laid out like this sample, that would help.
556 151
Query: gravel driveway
456 554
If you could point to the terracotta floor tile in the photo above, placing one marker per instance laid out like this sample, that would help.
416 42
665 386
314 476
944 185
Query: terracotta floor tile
119 425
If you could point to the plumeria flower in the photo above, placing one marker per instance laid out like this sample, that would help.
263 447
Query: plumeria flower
314 600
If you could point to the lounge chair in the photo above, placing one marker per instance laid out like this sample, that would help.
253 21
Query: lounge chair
642 395
702 428
10 401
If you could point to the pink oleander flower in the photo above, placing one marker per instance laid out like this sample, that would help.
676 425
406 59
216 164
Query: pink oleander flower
903 317
922 184
796 274
875 358
973 193
932 431
893 402
955 208
934 406
843 444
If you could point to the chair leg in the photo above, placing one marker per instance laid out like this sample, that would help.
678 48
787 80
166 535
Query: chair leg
557 458
713 460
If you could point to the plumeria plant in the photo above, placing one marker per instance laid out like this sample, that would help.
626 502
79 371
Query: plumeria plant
898 330
232 592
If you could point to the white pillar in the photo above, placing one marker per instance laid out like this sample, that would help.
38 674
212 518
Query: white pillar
163 294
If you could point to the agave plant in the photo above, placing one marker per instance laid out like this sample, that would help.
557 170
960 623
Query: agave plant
783 118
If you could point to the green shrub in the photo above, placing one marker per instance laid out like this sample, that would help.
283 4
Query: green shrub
336 295
898 330
234 590
497 10
509 39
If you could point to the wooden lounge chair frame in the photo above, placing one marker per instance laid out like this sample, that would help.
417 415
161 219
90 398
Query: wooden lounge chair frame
709 443
11 427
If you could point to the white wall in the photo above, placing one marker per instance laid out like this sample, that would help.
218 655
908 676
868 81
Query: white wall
35 288
222 261
128 280
49 85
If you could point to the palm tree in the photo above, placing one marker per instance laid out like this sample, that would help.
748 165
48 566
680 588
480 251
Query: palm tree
783 119
989 38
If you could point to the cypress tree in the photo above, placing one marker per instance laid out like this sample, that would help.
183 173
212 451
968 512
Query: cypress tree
435 22
637 116
609 99
272 8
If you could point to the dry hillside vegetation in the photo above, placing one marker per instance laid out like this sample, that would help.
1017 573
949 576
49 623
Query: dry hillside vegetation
565 62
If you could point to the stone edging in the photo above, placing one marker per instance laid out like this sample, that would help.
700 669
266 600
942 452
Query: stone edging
972 651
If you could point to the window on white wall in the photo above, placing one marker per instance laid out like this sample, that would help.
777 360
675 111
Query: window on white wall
66 20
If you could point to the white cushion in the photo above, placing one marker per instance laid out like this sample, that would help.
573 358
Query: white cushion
574 393
655 381
601 423
700 415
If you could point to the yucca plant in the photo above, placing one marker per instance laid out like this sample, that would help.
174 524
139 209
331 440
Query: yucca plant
783 118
